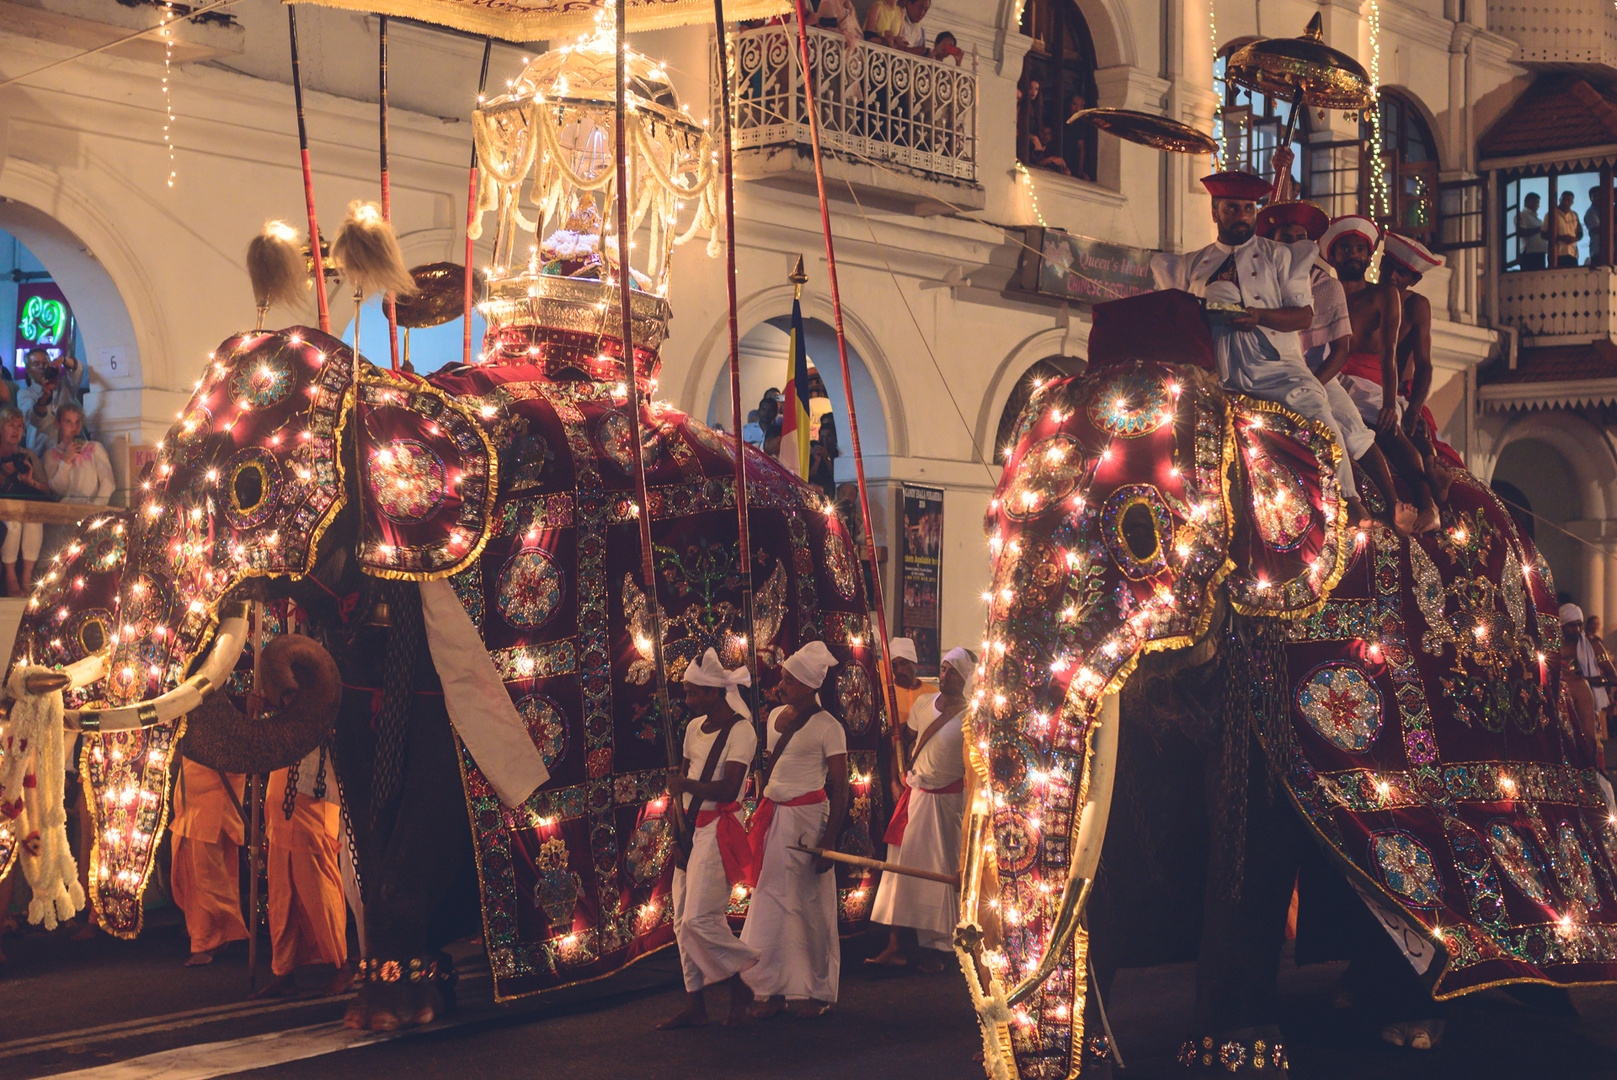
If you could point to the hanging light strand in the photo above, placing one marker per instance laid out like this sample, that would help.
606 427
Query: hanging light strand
168 88
1381 203
1219 86
1032 194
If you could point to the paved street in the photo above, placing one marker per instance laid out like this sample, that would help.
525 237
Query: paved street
107 1010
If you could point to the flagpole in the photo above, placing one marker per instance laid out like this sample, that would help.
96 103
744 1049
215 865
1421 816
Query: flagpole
387 201
813 112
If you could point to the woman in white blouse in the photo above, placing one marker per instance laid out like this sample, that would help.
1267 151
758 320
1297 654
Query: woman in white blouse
792 918
78 472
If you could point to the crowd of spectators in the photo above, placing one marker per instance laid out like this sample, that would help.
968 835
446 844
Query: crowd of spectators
45 453
763 430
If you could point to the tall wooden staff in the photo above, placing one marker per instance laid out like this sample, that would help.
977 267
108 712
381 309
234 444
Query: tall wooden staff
255 813
308 174
471 212
387 202
648 566
813 111
735 347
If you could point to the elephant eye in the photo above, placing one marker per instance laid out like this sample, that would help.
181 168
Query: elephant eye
1139 530
93 636
248 488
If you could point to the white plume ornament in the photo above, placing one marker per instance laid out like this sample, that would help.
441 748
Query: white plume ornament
368 252
33 776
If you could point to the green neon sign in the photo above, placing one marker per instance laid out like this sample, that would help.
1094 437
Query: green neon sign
43 321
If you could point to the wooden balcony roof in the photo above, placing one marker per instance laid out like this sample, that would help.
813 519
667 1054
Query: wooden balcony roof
1557 113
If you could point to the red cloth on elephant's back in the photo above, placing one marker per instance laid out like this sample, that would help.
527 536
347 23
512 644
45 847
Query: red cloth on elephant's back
1166 325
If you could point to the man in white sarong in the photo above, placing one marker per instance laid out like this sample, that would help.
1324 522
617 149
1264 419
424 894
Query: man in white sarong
925 830
719 745
792 919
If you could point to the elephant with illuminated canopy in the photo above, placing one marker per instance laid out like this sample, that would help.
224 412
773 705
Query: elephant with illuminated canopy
1180 615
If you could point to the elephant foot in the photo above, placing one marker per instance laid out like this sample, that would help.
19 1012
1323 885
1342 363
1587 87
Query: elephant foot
1415 1034
395 994
1254 1051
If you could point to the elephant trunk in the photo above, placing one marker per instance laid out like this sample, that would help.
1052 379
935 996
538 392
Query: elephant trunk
302 677
1086 850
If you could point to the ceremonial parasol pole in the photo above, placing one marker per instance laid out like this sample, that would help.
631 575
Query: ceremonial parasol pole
877 864
387 204
745 543
308 174
813 111
648 566
255 816
471 211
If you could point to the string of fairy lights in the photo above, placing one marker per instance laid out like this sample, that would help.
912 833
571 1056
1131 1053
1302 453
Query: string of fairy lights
1380 202
168 90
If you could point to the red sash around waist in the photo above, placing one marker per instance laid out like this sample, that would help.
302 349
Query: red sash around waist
901 810
1364 365
734 851
758 831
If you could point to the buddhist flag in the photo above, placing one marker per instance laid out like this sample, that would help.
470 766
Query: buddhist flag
794 410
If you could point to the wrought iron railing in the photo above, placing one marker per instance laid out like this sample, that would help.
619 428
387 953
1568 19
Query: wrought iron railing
877 105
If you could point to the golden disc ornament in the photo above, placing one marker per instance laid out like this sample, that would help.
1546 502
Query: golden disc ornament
1147 129
440 295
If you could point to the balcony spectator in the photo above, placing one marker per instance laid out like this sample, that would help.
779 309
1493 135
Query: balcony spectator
51 384
765 420
884 22
945 47
1591 221
21 477
823 454
78 471
1530 234
911 38
1033 135
839 15
1566 230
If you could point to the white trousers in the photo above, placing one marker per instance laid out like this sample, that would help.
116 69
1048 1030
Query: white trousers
1291 384
931 842
26 538
792 920
1366 395
708 950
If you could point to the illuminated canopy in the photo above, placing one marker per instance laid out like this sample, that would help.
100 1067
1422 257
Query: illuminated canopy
547 20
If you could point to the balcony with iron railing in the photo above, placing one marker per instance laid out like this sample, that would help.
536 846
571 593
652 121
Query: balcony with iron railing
895 125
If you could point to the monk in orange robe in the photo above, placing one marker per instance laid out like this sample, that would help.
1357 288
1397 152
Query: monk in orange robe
207 832
307 914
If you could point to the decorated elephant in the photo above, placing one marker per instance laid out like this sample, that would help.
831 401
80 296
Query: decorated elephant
1181 614
474 571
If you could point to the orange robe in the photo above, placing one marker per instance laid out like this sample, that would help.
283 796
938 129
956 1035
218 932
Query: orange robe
207 834
307 915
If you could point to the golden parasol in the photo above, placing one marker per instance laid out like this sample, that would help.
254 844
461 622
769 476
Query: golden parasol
1147 129
551 20
1303 71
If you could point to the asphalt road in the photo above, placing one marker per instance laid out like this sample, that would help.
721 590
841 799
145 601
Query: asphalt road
110 1010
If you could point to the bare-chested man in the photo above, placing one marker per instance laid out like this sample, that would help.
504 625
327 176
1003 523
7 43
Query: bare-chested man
1371 371
1404 261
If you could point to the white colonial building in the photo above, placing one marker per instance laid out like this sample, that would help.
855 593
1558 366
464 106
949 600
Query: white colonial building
929 204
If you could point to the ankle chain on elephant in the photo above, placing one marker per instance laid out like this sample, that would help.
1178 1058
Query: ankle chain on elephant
1246 1054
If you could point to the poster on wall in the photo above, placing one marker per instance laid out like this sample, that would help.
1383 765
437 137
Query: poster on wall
923 548
44 321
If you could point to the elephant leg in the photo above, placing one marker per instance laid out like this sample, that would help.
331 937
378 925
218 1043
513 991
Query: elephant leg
1242 935
422 869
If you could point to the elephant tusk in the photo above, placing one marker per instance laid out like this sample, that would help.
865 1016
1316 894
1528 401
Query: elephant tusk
47 681
228 643
1103 744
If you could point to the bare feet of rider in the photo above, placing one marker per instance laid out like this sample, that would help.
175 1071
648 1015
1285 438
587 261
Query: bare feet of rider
740 1002
1441 478
1404 518
1428 520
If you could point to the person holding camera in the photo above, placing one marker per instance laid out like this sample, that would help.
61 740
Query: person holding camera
51 384
21 477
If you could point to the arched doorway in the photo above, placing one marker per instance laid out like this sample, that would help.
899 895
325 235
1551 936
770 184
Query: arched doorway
429 348
54 291
764 351
1531 464
1041 372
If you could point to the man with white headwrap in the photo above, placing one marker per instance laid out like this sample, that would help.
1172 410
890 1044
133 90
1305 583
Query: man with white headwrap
719 746
925 830
908 688
1588 665
792 919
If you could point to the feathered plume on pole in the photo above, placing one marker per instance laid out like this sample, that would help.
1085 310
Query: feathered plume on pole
368 253
276 267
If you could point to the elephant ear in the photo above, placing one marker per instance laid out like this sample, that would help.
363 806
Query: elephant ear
1295 544
428 476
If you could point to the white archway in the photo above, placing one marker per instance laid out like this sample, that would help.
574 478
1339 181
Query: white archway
1069 342
711 359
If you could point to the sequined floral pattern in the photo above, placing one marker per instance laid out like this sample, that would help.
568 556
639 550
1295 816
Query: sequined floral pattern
1280 506
1342 704
840 564
546 726
1133 402
1407 867
530 588
858 699
1048 472
649 848
407 480
1518 861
